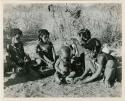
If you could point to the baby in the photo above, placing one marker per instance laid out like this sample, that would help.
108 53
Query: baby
78 50
64 72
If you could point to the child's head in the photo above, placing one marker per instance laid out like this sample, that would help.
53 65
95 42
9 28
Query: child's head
17 33
93 45
43 35
65 53
84 35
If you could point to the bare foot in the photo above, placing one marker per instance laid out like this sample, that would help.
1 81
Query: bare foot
102 80
69 80
77 79
58 81
13 76
107 84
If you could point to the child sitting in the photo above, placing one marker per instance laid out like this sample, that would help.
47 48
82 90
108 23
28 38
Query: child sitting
45 50
19 60
63 68
78 50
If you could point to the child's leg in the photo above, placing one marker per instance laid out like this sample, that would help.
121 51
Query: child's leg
89 64
14 67
82 60
27 66
40 64
86 70
57 77
79 65
109 72
72 74
69 78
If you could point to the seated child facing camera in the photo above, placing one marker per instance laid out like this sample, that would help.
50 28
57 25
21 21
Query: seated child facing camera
45 50
64 72
19 59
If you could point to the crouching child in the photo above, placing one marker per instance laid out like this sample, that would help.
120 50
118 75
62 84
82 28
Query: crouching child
100 65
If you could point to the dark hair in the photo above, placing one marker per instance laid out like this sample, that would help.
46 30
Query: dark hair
43 32
85 32
93 45
16 31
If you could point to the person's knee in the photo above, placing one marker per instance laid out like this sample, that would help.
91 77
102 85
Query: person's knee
110 64
110 69
73 73
38 61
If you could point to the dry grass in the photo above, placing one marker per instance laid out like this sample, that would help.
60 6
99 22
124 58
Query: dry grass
64 20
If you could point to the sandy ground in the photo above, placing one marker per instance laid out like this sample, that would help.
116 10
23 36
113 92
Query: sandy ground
29 86
24 87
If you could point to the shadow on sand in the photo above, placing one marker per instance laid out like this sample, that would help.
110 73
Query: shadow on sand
31 76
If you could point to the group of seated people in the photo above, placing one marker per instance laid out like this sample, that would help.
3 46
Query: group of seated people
82 59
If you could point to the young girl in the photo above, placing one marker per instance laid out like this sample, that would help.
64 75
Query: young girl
104 65
78 50
90 56
45 50
19 60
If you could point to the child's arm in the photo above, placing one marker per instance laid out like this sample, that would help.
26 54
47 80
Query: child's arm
37 48
13 41
54 54
89 66
71 75
98 71
74 46
42 56
22 50
84 74
47 60
57 65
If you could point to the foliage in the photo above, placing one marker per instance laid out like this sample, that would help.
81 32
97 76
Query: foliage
64 20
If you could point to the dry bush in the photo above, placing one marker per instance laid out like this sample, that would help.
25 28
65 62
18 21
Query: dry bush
64 20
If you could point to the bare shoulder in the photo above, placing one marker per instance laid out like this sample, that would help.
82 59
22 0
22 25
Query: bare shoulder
100 58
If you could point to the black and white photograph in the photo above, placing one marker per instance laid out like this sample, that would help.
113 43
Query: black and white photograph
62 50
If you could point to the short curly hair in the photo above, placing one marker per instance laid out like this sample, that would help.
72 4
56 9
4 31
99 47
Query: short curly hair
42 32
94 44
85 32
16 31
